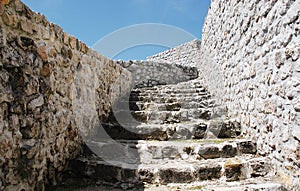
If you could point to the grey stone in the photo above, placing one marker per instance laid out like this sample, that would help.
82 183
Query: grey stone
146 175
173 175
259 167
247 147
209 172
233 172
170 152
209 152
200 130
229 151
38 102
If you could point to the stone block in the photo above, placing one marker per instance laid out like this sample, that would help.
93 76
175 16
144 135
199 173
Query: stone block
228 151
259 167
10 19
209 152
42 52
26 25
248 147
233 170
170 153
146 175
5 2
174 175
208 172
200 130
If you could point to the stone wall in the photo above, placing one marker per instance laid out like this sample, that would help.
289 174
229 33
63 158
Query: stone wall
187 54
52 86
151 73
251 60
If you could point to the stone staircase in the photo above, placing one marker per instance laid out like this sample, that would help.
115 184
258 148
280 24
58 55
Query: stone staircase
168 138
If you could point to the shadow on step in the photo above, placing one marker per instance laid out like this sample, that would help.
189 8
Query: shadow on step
127 122
114 171
106 163
134 130
115 158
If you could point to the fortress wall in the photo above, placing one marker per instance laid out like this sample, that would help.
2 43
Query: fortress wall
152 73
250 60
187 54
53 92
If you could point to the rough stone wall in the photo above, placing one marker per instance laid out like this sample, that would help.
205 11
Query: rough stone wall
251 60
187 54
151 73
51 87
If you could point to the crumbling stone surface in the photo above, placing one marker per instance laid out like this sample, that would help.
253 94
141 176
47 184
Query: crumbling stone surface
187 54
233 170
55 91
153 73
47 80
253 49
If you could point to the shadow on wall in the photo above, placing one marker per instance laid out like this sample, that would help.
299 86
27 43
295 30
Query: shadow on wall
110 158
212 76
112 154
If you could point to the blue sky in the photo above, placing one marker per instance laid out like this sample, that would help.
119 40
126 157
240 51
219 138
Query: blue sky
92 20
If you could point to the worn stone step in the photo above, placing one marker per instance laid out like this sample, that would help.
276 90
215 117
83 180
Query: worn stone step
185 94
157 152
198 129
175 89
174 106
96 170
248 187
161 117
169 99
170 94
252 184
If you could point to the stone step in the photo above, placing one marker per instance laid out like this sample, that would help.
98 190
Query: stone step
252 184
170 94
248 187
162 117
170 90
187 130
219 170
169 99
174 106
158 152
